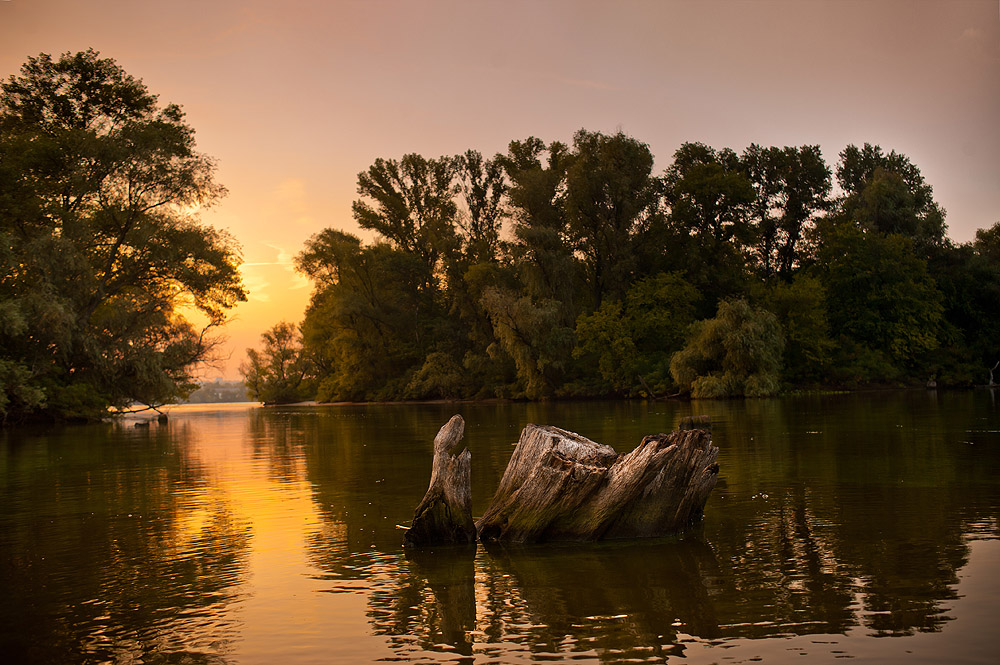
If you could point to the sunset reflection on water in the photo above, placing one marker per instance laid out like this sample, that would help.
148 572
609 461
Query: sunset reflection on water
841 528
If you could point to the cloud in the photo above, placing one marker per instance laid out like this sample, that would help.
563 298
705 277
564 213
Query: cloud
972 35
255 282
587 84
290 201
281 275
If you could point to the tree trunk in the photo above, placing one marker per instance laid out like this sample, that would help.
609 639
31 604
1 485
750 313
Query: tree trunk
444 515
562 486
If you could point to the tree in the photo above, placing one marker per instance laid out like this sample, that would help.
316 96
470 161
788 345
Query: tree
532 333
886 193
370 321
792 186
709 198
610 198
800 306
411 203
738 353
604 337
482 187
103 251
278 373
883 304
631 342
541 247
968 276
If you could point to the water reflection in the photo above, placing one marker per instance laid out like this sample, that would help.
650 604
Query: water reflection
272 535
827 521
429 602
642 602
113 549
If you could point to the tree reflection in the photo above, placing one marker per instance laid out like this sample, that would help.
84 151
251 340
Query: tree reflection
841 517
114 548
429 602
622 600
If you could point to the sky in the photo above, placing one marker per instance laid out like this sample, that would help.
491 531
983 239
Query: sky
295 98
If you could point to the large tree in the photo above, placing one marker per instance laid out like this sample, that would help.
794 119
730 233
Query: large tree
411 203
887 194
792 186
610 199
709 234
882 303
541 247
370 321
103 249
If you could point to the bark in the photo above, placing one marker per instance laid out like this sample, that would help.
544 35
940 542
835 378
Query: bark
562 486
444 515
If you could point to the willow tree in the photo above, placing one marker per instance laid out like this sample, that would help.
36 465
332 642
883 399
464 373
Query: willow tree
737 353
103 248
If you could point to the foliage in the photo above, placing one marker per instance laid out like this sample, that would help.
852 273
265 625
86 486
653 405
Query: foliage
881 298
101 249
531 333
968 277
541 252
887 194
483 188
410 203
791 187
557 269
610 198
736 353
439 376
371 319
709 233
632 342
278 374
605 336
800 306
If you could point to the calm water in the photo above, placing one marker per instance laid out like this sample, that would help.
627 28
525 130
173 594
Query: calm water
857 526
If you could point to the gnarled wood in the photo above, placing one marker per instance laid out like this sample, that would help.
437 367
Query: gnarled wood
444 515
562 486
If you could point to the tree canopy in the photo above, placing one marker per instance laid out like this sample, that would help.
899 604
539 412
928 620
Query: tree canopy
573 269
102 248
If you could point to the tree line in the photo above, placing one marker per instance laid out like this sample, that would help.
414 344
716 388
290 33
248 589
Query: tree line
550 270
575 270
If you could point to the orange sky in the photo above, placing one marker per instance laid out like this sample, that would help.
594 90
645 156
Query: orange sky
294 98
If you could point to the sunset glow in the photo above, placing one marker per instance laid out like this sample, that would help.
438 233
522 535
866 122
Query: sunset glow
294 99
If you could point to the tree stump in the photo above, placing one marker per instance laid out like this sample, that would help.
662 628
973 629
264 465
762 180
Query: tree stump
562 486
444 515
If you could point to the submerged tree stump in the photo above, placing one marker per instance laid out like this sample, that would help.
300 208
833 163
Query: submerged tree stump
444 515
562 486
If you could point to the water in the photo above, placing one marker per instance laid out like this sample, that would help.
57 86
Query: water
856 526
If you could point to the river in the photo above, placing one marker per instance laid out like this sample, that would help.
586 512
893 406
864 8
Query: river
857 526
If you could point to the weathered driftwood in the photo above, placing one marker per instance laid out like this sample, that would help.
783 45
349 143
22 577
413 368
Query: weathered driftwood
444 515
562 486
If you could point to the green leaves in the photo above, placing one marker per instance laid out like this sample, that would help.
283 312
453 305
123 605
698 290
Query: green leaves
278 373
881 296
98 183
559 270
738 353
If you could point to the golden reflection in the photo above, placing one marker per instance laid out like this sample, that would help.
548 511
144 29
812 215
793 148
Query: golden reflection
236 534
